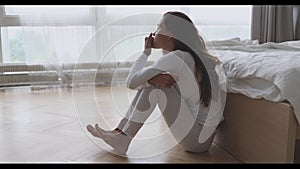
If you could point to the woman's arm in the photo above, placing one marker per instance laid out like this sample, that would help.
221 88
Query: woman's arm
163 80
138 77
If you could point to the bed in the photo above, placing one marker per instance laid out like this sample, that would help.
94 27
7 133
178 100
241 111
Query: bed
262 111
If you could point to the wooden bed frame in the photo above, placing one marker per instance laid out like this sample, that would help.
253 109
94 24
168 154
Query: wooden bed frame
259 131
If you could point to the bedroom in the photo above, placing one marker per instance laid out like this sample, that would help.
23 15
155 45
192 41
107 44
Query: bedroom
61 70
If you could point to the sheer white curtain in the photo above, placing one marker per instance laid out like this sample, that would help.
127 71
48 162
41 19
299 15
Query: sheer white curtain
50 36
55 34
62 31
219 22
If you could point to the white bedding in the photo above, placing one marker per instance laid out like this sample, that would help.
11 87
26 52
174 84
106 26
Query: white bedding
270 71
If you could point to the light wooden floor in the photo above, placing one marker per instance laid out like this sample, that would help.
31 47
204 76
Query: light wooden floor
44 126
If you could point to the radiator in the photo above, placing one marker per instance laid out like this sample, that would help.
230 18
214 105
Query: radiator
83 73
21 74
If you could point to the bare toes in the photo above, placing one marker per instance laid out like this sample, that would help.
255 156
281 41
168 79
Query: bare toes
93 131
99 129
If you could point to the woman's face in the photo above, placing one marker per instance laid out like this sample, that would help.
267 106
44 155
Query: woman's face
162 37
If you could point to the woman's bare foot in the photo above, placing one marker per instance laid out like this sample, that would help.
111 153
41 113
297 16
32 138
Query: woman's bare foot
94 131
119 141
116 138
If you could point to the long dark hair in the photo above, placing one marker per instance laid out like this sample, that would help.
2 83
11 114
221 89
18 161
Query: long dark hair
187 38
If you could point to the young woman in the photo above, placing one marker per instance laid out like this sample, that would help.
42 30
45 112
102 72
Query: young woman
178 82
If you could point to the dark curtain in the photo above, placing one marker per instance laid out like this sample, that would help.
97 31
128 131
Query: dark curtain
275 23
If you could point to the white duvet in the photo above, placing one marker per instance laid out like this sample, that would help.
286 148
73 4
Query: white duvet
270 71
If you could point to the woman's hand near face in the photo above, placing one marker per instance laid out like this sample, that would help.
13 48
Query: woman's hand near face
162 80
148 44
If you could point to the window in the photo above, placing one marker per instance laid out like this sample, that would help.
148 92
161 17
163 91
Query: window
46 34
222 22
43 34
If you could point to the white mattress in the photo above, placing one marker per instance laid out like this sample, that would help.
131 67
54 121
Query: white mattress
255 88
270 71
